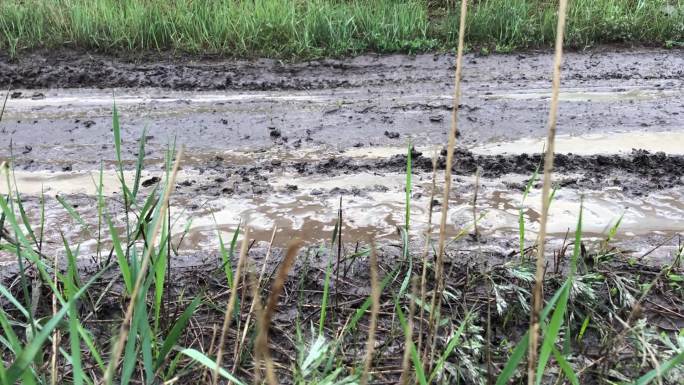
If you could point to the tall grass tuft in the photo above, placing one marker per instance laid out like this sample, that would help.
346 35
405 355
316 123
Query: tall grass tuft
315 28
141 274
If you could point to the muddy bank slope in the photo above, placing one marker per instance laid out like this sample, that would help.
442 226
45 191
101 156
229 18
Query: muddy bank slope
66 68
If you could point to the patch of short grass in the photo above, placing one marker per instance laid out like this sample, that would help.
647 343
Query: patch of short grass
317 28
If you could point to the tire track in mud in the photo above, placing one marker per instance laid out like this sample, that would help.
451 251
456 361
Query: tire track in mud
55 69
283 141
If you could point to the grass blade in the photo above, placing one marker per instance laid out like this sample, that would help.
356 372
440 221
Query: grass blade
72 212
210 364
27 355
565 367
326 291
408 186
514 361
121 259
139 164
664 368
175 333
519 352
116 129
552 331
75 342
451 345
417 363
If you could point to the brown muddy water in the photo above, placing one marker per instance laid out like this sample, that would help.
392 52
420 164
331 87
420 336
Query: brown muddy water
279 147
373 207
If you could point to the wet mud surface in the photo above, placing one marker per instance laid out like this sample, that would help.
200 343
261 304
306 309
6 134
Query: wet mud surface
281 146
281 143
66 69
365 101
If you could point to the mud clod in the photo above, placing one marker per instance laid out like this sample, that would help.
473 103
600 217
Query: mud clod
151 181
274 132
392 134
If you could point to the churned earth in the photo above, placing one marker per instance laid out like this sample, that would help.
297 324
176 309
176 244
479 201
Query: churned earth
280 145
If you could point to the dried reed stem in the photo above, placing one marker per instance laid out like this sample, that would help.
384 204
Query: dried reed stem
375 309
255 295
477 188
408 335
209 352
426 249
276 289
548 169
142 274
230 305
439 268
258 312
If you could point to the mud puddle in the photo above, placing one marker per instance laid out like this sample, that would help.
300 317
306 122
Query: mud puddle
373 206
594 95
670 142
380 211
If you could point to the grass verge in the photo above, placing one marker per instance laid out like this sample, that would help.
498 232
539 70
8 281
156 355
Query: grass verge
317 28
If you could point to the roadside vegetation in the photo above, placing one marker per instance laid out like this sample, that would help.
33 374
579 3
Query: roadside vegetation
326 314
296 29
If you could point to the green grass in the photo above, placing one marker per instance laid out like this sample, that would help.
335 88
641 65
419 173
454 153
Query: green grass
316 28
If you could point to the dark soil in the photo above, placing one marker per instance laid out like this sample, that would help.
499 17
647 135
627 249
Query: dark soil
73 68
636 174
602 349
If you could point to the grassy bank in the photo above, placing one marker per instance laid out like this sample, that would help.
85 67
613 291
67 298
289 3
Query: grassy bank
315 28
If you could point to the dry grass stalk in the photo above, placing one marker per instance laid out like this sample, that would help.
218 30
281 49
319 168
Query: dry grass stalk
339 254
255 297
408 335
258 312
477 188
437 294
142 274
375 309
231 304
209 352
546 189
426 249
261 343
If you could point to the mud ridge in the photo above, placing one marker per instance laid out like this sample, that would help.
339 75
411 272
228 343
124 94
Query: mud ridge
654 170
71 68
636 174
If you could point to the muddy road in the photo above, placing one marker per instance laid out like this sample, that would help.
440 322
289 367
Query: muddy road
278 144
